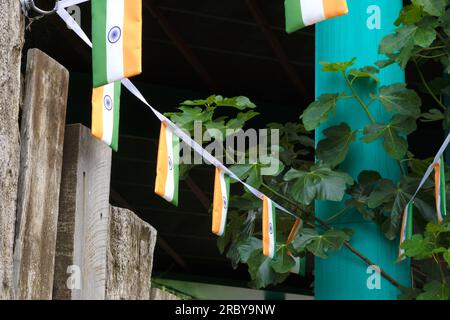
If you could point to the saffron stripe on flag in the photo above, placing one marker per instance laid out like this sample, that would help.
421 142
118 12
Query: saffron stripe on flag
269 228
220 203
106 113
167 169
440 195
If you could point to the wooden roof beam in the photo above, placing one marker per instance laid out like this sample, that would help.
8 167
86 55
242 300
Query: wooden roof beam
277 48
181 44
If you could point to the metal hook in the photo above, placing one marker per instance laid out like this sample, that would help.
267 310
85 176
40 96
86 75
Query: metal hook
28 5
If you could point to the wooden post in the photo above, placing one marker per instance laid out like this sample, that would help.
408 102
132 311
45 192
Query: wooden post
130 256
11 42
42 138
80 267
158 294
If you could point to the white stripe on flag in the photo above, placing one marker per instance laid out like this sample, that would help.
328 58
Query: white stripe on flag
114 39
312 11
223 187
170 187
108 115
271 230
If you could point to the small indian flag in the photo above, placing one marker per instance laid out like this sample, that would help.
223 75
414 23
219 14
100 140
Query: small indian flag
295 230
407 227
167 167
299 267
220 203
302 13
106 113
269 228
116 40
439 180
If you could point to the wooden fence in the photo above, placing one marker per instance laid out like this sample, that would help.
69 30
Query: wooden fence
69 243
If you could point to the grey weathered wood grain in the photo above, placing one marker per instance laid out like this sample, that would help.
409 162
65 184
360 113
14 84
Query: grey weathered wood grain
42 139
11 42
158 294
84 216
130 256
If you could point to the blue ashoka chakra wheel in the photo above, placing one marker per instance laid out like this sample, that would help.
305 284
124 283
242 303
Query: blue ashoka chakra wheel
108 103
170 164
224 202
270 228
114 34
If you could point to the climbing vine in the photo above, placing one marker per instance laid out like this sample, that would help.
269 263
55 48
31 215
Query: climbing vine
421 37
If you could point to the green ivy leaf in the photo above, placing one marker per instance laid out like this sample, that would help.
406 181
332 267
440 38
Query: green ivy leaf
402 38
247 247
337 66
319 183
334 148
435 291
410 15
394 144
283 262
432 115
397 98
306 236
360 192
366 72
446 256
331 240
418 247
424 37
318 111
432 7
261 271
240 103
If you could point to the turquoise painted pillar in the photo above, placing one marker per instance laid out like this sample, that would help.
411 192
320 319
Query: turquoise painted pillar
343 275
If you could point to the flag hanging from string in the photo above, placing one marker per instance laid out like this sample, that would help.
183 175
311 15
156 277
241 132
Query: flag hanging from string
407 227
220 203
106 113
302 13
440 195
299 267
116 40
167 167
269 228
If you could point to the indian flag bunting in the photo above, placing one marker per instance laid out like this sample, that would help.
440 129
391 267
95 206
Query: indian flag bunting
299 267
269 228
220 203
295 230
167 167
302 13
407 226
106 114
116 40
440 197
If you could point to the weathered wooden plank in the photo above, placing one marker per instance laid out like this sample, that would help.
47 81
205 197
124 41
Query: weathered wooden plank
130 256
42 139
11 42
84 217
158 294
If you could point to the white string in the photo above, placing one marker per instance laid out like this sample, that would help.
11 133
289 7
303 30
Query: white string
179 132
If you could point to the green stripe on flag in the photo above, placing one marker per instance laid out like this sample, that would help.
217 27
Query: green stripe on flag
443 203
99 42
115 135
274 229
409 222
176 164
294 17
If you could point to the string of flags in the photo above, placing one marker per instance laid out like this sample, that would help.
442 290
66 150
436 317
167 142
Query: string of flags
106 97
117 33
